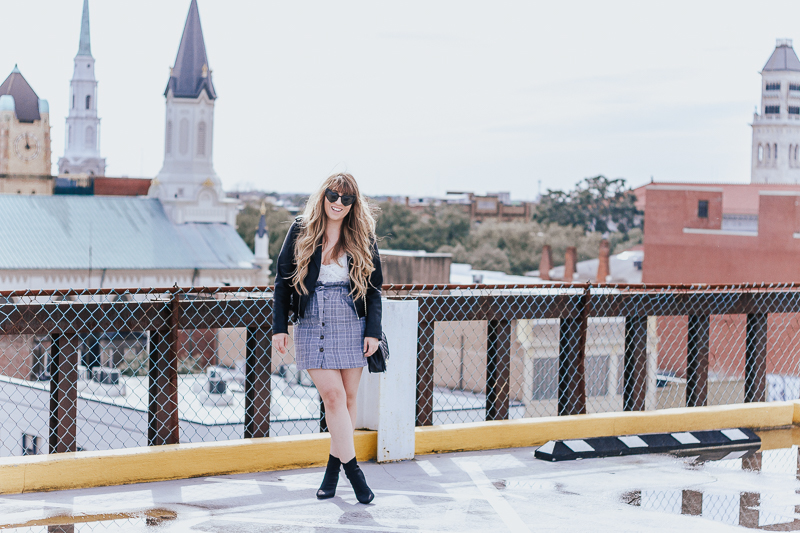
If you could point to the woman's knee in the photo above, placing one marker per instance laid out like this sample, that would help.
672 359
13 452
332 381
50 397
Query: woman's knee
334 398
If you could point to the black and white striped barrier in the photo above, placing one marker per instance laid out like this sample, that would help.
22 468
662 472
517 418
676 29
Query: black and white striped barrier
568 450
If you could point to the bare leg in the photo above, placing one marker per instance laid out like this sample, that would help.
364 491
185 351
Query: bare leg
351 377
331 389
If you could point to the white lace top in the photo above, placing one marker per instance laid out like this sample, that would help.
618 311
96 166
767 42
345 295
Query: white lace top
335 272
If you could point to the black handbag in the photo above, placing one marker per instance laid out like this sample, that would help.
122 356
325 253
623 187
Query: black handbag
377 361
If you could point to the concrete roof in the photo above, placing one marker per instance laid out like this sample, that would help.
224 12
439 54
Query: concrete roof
57 232
468 492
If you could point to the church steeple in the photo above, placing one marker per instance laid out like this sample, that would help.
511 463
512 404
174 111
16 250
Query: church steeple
191 73
187 185
82 139
85 45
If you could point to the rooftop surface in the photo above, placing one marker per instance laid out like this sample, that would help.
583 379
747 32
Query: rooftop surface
498 490
113 232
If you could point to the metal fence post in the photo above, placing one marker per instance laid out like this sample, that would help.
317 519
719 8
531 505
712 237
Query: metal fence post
258 382
425 372
755 362
635 366
63 393
498 368
697 361
162 413
571 360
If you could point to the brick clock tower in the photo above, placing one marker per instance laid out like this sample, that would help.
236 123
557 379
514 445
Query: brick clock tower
24 138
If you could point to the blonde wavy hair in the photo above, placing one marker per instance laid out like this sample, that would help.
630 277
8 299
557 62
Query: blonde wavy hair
356 238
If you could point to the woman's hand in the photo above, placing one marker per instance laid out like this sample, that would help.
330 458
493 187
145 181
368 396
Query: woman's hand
280 341
370 345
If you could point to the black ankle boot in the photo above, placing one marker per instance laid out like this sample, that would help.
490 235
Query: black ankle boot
331 479
356 477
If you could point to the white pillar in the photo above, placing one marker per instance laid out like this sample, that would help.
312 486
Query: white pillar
387 402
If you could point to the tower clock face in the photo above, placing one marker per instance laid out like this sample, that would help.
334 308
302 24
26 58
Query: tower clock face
27 146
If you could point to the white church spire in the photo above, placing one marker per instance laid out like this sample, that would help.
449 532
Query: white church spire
82 139
187 185
776 128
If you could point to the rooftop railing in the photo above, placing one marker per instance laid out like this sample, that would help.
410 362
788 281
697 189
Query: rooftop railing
102 369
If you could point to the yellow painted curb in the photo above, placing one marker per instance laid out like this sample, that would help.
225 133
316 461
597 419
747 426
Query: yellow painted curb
536 431
779 438
160 463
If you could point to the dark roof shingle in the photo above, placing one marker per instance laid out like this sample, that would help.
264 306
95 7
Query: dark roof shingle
191 73
25 99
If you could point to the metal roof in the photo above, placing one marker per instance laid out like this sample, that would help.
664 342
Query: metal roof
783 58
57 232
85 45
191 73
25 99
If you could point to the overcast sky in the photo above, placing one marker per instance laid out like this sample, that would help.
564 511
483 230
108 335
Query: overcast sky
421 97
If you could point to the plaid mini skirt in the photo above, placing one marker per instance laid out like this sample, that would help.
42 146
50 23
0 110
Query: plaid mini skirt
330 335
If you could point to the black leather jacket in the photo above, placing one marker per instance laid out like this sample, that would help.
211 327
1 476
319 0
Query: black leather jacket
286 298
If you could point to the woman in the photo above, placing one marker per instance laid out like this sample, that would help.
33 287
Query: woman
329 276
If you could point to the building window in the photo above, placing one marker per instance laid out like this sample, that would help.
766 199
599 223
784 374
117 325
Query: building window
168 140
88 102
772 109
201 138
774 86
32 445
183 137
767 152
89 137
73 101
794 86
702 209
794 110
775 151
760 153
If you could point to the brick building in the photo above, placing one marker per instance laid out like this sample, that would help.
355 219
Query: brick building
723 234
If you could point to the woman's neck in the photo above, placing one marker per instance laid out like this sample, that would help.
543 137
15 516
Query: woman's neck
333 231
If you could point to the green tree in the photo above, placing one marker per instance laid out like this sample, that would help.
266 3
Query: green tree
596 204
400 228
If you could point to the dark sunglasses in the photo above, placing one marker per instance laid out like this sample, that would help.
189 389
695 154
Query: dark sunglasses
332 196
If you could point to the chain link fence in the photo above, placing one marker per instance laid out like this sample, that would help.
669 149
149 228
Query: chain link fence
107 369
495 352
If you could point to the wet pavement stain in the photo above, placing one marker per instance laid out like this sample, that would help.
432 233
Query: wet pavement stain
766 509
58 523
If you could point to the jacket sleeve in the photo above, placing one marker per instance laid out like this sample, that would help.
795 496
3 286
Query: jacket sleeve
282 296
373 321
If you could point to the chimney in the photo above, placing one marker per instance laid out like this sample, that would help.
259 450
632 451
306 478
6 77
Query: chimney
570 260
545 263
603 268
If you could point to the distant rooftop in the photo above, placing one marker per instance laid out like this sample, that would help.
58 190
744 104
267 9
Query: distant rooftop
123 232
783 58
25 99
